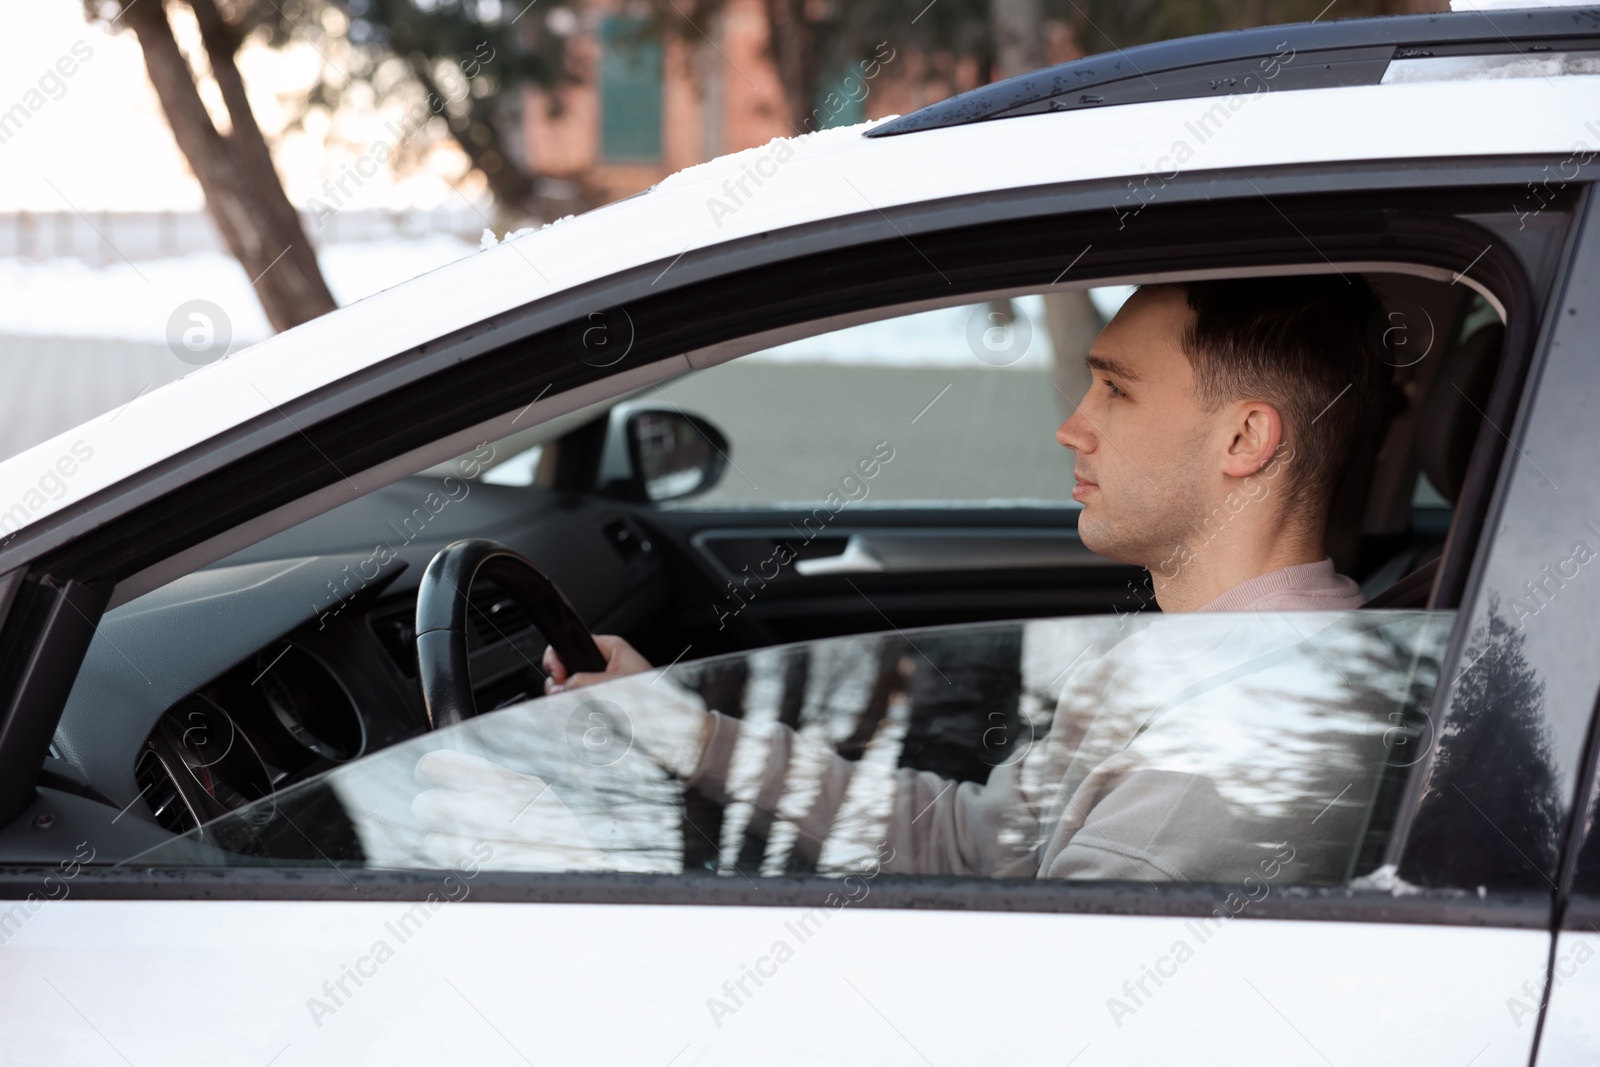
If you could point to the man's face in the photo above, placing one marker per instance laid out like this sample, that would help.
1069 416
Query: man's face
1140 435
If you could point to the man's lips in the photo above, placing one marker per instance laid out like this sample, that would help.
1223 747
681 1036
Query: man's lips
1083 488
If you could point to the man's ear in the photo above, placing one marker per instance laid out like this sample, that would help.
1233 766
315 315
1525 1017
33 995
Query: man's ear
1255 431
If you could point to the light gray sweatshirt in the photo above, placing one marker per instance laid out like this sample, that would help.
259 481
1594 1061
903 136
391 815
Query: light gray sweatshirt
1194 749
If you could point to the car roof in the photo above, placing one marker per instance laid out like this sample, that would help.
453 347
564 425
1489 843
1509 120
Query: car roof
792 182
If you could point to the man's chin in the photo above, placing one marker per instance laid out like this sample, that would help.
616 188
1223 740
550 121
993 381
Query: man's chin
1103 539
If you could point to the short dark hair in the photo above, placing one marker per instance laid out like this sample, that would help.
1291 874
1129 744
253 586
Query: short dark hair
1304 344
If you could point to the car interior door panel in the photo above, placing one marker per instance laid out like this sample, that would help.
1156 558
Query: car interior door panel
899 551
1017 565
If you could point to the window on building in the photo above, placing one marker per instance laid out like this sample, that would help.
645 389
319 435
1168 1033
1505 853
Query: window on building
630 93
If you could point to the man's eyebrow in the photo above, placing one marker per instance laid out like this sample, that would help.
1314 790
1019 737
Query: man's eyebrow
1112 367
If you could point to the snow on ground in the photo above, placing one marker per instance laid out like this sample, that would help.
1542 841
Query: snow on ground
132 301
79 338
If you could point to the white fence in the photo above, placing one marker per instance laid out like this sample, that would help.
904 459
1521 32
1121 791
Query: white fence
99 237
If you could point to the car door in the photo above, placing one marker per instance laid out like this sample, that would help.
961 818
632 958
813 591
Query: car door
799 947
473 938
335 960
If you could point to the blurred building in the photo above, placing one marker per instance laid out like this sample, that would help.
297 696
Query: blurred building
648 107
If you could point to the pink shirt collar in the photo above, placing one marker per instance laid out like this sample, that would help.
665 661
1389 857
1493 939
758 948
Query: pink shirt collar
1303 587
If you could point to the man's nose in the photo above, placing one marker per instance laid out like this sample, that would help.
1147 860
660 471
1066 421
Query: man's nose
1076 433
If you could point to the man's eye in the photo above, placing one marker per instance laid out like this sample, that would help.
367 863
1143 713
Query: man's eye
1112 386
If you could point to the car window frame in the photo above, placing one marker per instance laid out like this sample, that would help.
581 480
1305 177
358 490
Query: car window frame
1553 410
1554 386
70 577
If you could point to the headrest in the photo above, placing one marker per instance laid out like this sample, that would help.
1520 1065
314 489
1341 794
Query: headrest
1454 409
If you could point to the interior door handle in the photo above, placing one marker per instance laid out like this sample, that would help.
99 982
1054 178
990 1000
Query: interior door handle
857 558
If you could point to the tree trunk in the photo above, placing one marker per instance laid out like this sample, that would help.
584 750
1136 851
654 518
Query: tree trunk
1073 323
791 42
244 195
1018 29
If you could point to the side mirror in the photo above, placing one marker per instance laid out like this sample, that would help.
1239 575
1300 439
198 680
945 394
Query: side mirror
674 455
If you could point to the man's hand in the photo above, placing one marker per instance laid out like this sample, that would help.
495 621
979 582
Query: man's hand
622 659
669 725
519 816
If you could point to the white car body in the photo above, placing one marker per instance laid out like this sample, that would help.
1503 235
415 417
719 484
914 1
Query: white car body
123 981
595 983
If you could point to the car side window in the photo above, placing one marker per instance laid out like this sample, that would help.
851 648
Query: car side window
965 397
1242 748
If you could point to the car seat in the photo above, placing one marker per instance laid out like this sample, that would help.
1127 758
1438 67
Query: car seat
1452 415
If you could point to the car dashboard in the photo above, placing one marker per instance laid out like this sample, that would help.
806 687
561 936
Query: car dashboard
298 654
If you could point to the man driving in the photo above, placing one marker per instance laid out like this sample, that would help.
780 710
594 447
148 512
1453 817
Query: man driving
1221 418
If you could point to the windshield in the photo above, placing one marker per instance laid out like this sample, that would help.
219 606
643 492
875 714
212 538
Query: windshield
1187 747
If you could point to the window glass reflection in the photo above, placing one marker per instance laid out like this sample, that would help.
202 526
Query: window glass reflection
1197 748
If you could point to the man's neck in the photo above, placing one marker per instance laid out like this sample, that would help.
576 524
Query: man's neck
1218 566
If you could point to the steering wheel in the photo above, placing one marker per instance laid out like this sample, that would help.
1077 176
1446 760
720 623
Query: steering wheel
443 607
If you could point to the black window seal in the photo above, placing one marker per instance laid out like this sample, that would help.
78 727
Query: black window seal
43 652
1062 897
1331 54
1573 912
1580 910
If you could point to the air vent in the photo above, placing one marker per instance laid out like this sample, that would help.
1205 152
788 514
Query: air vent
493 616
155 783
396 631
